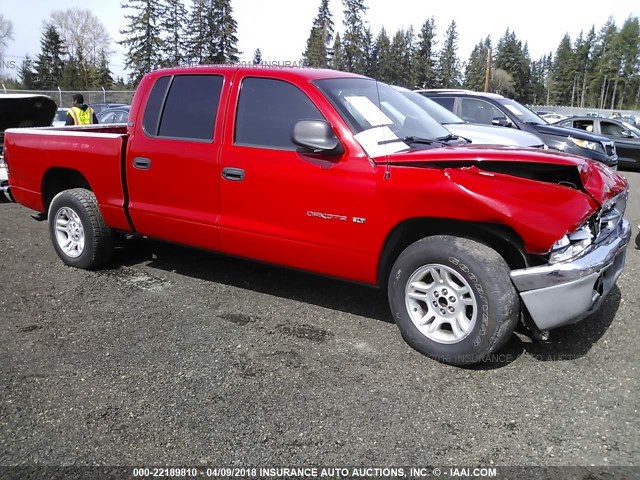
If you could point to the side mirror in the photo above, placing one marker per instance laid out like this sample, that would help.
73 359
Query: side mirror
501 122
627 134
317 136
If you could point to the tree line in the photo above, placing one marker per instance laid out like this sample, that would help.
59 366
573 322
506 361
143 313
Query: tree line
598 69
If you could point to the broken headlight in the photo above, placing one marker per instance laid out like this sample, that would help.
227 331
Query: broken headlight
571 245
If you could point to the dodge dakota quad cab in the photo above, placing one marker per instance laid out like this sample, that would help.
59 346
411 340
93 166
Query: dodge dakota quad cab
337 174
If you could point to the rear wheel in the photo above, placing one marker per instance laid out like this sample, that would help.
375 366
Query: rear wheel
78 232
453 299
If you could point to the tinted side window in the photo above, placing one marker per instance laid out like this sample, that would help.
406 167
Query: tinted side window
446 102
191 107
153 110
479 111
267 111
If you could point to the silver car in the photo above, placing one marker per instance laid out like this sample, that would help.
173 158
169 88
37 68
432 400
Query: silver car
475 133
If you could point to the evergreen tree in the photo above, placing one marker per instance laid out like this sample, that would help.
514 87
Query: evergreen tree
629 41
26 73
320 38
448 64
214 33
226 50
425 58
353 43
172 22
402 50
476 69
369 57
563 73
382 58
101 76
49 64
143 39
338 61
257 57
514 59
605 56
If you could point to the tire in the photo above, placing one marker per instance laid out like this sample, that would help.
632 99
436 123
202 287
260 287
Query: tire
476 306
78 232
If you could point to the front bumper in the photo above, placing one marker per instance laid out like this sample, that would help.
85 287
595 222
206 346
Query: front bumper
565 293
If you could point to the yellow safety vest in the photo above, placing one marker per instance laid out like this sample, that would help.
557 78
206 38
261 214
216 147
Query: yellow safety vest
81 117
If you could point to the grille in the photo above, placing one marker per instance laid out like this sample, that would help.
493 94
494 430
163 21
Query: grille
607 219
610 149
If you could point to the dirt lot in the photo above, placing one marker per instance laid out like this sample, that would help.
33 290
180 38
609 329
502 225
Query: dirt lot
175 356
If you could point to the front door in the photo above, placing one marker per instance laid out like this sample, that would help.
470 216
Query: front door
284 206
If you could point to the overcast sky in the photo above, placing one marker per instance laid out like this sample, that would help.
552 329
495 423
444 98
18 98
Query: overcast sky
280 27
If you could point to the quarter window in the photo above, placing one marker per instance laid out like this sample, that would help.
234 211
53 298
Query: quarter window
267 111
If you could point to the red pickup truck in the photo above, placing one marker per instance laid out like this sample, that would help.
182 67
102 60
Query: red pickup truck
340 175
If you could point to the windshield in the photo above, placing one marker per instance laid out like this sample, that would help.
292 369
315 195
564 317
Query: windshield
437 111
522 112
378 115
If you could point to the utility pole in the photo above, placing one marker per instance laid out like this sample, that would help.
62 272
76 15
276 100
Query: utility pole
487 71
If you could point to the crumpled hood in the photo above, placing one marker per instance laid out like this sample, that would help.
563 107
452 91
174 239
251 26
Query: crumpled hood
597 179
18 110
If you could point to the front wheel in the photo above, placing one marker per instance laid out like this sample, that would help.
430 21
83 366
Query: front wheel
452 299
78 232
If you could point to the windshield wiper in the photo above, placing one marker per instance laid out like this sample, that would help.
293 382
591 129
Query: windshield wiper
412 139
448 138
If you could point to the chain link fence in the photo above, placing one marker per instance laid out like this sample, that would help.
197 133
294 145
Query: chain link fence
63 97
579 111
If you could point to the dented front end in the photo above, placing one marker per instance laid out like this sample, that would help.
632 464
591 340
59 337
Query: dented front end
568 213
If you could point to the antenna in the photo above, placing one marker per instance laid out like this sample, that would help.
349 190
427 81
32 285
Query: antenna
387 170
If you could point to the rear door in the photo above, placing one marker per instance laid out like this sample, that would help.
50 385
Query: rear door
172 160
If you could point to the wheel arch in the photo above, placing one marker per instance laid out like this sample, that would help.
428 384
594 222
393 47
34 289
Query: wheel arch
56 180
501 238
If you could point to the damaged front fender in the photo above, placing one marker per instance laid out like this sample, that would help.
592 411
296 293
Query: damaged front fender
538 211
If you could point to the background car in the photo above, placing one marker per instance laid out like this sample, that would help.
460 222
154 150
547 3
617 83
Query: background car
493 109
114 115
477 134
625 135
60 119
99 107
553 117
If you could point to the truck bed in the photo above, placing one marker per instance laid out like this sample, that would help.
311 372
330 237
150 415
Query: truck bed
94 152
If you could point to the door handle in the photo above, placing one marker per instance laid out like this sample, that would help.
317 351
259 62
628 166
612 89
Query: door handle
142 163
233 174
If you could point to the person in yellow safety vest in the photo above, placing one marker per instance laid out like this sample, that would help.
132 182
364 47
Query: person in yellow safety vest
79 113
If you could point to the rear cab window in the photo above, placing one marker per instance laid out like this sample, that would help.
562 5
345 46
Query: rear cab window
183 107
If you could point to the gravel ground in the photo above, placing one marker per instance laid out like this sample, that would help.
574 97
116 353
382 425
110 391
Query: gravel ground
172 356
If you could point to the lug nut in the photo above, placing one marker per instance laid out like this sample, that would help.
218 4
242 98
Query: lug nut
451 309
452 299
443 311
436 294
435 304
444 291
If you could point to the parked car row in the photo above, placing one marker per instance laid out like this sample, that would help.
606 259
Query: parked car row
493 109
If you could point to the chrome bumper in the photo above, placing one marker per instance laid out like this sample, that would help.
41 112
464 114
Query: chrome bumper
565 293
